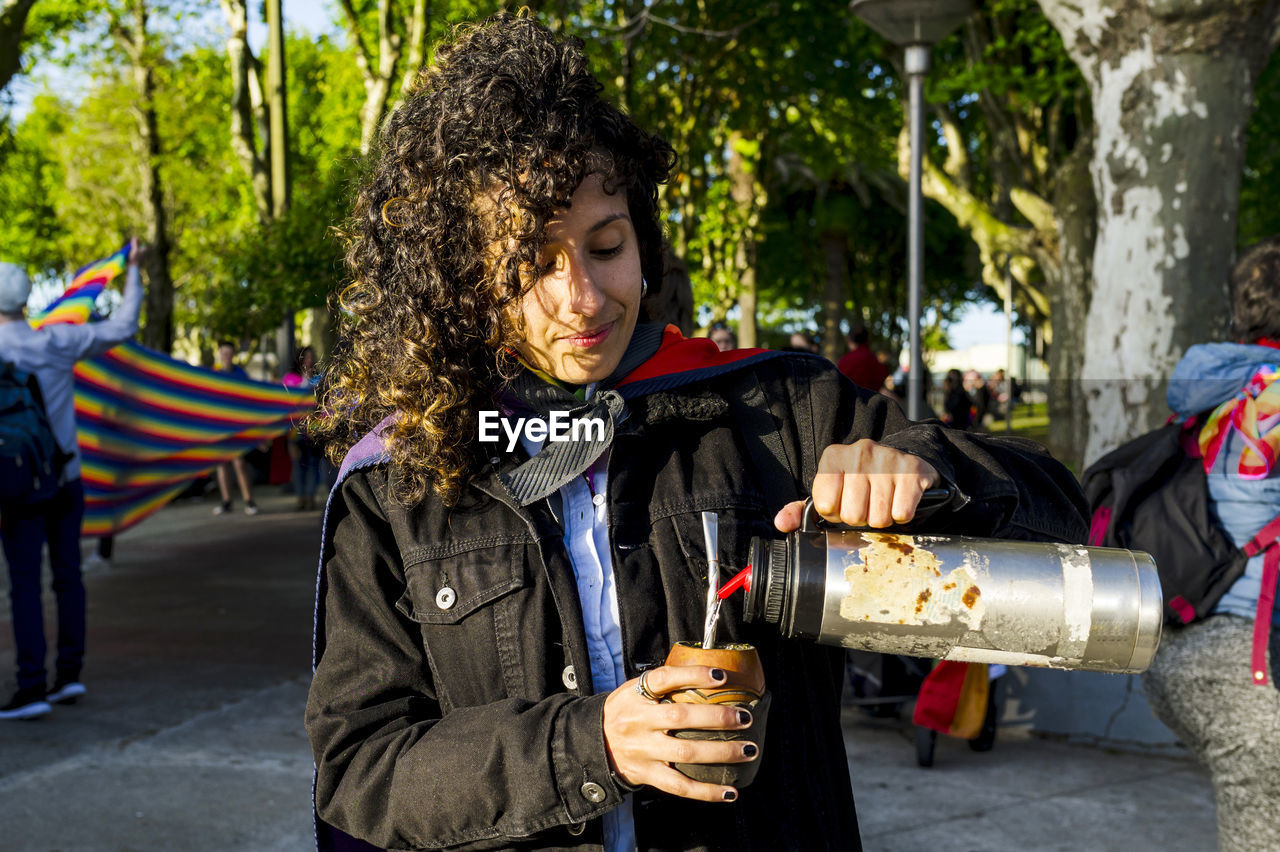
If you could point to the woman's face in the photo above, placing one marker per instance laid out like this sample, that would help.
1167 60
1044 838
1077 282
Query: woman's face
579 315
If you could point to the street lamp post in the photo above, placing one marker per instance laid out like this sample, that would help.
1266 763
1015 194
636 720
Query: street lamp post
914 25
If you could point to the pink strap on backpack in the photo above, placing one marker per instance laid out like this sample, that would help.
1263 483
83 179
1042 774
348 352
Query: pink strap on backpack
1265 540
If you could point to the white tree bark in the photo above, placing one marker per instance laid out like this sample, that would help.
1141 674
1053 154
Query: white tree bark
1172 91
247 107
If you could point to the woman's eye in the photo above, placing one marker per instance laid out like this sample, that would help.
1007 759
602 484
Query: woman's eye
609 252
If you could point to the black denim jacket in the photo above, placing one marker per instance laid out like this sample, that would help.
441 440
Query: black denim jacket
452 704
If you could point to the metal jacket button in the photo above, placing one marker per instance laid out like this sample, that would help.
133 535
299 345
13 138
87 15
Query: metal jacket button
598 499
446 598
593 792
569 677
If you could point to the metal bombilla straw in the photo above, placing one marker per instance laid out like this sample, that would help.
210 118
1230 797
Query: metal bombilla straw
711 535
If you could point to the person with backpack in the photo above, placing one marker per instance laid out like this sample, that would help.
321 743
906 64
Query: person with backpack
1211 681
26 525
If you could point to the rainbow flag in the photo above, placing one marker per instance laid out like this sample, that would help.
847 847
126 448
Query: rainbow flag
148 424
75 305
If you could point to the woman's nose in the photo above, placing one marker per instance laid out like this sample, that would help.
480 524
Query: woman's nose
585 296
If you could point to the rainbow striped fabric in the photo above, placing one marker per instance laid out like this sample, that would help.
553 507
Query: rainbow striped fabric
148 424
1254 414
75 305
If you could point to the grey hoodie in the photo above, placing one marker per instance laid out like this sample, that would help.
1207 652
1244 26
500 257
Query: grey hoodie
52 352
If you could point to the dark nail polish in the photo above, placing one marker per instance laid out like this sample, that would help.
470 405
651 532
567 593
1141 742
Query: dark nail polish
717 674
744 718
749 750
730 795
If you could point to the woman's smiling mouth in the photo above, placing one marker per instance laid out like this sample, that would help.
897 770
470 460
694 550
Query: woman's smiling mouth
592 337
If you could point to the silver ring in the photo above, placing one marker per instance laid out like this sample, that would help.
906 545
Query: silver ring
642 687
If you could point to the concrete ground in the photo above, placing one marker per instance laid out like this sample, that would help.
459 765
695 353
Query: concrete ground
190 737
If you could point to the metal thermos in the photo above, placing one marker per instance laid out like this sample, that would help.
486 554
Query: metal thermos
952 598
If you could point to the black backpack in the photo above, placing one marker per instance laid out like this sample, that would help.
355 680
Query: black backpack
30 461
1152 494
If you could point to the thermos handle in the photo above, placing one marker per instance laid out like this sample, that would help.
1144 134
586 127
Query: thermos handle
812 522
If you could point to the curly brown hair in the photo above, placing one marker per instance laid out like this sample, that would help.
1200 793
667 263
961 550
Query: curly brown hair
494 138
1255 292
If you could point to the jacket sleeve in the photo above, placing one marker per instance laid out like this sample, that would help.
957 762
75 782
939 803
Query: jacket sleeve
1003 487
394 770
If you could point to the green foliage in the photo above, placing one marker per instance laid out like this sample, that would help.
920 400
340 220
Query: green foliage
1259 215
291 263
29 180
873 229
797 93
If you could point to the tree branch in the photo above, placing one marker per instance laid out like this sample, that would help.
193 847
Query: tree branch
417 45
957 163
13 24
353 30
998 242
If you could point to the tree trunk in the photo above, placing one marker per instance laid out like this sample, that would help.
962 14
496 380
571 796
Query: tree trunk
13 22
833 249
277 109
1171 85
1069 304
246 109
157 333
377 80
747 197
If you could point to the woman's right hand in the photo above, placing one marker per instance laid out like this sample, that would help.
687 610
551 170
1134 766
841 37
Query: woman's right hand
637 733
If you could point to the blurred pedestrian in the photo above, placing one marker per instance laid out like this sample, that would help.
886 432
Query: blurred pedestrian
983 401
1202 682
1003 394
896 386
860 363
307 455
51 354
723 338
956 404
227 364
802 342
100 557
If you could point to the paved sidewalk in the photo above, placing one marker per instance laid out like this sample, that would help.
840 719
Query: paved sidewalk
191 735
1028 793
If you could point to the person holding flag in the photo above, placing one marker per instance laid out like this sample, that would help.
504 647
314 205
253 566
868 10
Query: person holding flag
51 352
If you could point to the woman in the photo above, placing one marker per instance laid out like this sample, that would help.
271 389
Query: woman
486 608
1202 683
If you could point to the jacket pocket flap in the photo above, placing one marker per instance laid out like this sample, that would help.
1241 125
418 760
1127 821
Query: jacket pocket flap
447 590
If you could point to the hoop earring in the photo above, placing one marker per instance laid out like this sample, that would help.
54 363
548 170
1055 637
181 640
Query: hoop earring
644 288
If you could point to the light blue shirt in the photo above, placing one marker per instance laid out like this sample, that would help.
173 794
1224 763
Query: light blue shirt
53 351
586 537
1208 375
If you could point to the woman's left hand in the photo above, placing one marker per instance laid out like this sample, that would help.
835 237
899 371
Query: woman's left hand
864 484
